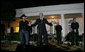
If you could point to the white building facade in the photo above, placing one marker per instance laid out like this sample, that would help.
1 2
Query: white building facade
62 10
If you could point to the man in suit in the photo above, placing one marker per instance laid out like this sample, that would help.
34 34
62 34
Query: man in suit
75 26
42 29
58 29
24 30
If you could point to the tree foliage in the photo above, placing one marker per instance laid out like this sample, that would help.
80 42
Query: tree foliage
7 11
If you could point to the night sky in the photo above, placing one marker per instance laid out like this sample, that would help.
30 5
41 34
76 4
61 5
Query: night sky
30 3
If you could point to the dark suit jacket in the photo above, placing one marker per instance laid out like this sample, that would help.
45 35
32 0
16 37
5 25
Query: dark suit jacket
41 27
74 25
58 28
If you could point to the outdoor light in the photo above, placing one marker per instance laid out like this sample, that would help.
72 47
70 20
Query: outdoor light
52 16
17 29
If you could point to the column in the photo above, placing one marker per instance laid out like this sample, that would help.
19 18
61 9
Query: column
83 21
35 29
63 26
53 28
83 28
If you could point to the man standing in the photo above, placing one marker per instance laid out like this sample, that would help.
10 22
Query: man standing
75 26
58 32
23 29
42 29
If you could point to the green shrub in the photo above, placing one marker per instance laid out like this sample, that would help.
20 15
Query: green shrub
69 37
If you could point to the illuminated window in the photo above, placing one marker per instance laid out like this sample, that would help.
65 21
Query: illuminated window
17 29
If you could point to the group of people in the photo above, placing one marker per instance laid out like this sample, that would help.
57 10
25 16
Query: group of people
24 29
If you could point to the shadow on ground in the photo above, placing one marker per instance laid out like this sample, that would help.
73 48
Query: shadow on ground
50 47
38 48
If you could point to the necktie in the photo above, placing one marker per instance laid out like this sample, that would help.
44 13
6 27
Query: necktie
41 21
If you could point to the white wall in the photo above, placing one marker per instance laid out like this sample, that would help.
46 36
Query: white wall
53 9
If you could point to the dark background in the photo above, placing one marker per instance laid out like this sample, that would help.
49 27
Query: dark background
34 3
